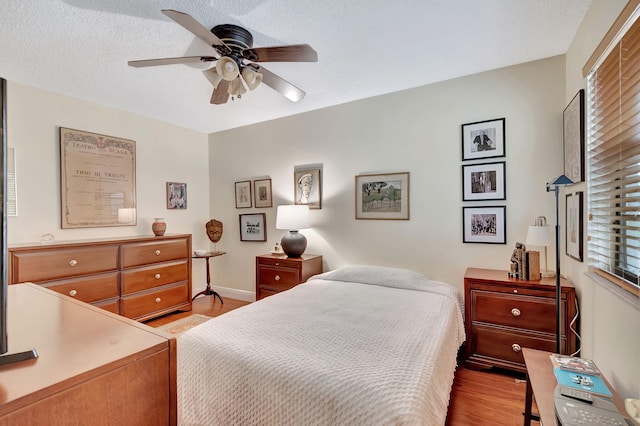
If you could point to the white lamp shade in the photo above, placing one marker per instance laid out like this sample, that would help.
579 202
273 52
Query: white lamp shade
293 217
251 77
541 236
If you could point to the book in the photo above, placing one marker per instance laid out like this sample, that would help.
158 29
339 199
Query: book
575 364
585 382
533 265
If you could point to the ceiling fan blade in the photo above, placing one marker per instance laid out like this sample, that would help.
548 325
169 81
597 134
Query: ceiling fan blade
170 61
220 93
291 53
196 28
280 85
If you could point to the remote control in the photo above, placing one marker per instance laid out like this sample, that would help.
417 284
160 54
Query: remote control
578 394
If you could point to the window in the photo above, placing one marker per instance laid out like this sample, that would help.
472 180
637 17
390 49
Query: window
613 131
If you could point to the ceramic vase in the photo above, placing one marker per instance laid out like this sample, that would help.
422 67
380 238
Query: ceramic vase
158 226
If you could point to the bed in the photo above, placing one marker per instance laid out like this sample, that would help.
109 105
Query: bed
359 345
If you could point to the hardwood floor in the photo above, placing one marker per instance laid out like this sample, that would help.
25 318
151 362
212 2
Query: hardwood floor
478 398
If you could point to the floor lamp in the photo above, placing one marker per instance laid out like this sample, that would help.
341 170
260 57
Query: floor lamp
555 187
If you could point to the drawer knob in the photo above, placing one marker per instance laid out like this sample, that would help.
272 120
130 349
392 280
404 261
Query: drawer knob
158 300
515 312
277 278
157 252
516 347
72 293
277 264
515 291
158 277
73 262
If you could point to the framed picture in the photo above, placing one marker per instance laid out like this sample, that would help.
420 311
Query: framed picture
484 182
573 138
382 196
574 219
97 180
176 195
487 225
243 194
308 188
262 193
483 139
252 227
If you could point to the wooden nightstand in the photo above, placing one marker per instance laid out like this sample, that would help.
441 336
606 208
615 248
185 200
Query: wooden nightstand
276 273
504 315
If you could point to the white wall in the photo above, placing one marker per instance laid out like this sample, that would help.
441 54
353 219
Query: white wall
418 131
164 153
610 324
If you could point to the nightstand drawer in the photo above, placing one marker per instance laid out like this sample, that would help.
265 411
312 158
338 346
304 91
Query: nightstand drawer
278 278
513 310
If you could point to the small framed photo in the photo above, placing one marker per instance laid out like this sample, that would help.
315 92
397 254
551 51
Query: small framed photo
308 188
382 196
486 225
176 195
483 139
573 138
243 194
252 227
262 193
574 211
484 182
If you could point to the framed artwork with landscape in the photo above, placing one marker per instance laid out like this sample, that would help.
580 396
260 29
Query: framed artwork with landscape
382 196
486 224
484 181
262 193
243 194
483 139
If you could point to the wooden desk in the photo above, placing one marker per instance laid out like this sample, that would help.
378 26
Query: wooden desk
541 382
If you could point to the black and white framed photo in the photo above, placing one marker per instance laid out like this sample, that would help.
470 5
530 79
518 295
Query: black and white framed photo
484 182
573 138
574 219
486 224
483 139
243 194
252 227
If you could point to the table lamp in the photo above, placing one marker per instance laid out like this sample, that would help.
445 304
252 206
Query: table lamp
541 235
293 218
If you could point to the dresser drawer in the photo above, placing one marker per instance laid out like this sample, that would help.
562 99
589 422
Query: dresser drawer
88 289
138 254
513 310
46 265
140 279
111 305
149 303
501 345
278 278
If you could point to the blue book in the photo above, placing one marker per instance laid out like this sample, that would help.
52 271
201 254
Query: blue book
585 382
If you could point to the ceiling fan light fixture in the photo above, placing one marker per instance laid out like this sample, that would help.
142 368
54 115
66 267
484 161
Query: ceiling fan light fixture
236 88
251 77
213 77
227 68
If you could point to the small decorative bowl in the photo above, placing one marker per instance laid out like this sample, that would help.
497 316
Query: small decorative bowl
200 252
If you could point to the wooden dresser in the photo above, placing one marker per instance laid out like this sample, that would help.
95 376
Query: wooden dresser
138 277
276 273
94 367
504 315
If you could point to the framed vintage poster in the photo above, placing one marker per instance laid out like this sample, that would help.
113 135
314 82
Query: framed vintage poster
176 195
573 138
484 182
486 224
308 188
382 196
262 193
574 211
98 180
252 227
483 139
243 194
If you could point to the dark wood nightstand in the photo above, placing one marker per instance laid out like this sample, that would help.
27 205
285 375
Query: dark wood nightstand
276 273
504 315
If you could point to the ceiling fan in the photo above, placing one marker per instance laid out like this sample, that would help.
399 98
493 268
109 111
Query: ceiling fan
236 60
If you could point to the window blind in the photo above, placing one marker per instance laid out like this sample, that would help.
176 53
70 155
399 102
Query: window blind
614 163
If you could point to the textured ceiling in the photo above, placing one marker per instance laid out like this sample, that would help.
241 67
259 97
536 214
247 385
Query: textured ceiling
365 47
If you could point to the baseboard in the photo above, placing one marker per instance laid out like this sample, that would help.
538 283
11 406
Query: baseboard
247 296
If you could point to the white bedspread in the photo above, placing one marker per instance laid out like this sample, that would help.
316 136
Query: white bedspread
333 351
